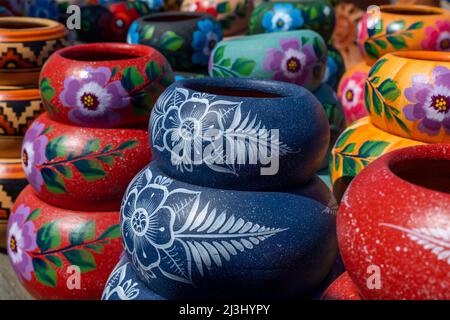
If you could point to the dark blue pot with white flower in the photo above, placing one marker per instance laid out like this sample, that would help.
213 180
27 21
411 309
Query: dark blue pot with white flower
187 241
238 134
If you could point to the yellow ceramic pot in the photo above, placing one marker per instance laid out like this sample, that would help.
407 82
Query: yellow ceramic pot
356 147
408 94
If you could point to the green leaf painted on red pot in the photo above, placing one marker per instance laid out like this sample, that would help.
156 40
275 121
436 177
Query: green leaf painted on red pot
131 78
56 148
48 236
112 232
171 41
81 258
53 181
90 169
34 214
152 70
44 272
84 231
46 89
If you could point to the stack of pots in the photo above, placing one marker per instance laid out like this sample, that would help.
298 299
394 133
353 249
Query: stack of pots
230 207
79 156
25 44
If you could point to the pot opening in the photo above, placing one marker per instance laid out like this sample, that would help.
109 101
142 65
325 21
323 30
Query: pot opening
171 17
14 25
433 174
411 11
232 92
89 55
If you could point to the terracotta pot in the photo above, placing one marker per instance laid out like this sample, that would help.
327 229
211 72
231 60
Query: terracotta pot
82 168
10 146
342 288
394 220
351 92
12 181
360 144
25 44
409 95
400 28
233 15
104 85
50 247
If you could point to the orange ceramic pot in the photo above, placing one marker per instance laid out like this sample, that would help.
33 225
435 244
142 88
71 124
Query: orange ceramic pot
25 44
403 27
356 147
408 94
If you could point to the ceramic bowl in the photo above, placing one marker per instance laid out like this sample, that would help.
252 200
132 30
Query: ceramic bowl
233 15
335 68
239 133
189 241
185 38
360 144
25 44
408 94
59 253
298 57
403 27
104 85
316 15
394 225
342 288
82 168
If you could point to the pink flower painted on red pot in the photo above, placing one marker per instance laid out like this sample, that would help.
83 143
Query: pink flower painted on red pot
351 94
21 240
437 37
294 62
92 98
430 101
33 154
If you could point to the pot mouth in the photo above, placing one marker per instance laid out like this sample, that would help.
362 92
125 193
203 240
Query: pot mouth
23 24
411 10
173 16
105 52
434 56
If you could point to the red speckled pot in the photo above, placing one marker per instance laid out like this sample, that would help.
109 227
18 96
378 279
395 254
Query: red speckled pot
104 85
82 168
393 225
44 241
342 288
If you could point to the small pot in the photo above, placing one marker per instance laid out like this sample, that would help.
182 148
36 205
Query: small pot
59 253
104 85
227 244
360 144
82 168
409 95
342 288
185 38
298 57
394 225
239 133
20 65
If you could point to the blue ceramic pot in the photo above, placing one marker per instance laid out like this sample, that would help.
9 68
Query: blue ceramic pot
335 68
238 134
187 241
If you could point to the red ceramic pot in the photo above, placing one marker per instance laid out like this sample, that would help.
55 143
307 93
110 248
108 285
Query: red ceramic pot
82 168
104 85
393 225
342 288
59 253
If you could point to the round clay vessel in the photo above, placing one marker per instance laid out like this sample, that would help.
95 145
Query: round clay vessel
335 68
82 168
342 288
25 44
104 85
316 15
394 224
239 133
360 144
233 15
227 243
403 27
50 248
185 38
409 95
298 56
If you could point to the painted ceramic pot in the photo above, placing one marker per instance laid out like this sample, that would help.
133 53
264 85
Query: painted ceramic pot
239 133
25 44
351 92
406 235
12 181
19 106
316 15
408 94
342 288
61 254
335 68
227 244
233 15
4 12
185 38
82 168
104 85
298 57
360 144
10 146
398 28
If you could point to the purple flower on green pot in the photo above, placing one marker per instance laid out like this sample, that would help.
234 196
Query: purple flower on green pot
430 101
33 154
204 40
294 62
92 98
21 240
283 17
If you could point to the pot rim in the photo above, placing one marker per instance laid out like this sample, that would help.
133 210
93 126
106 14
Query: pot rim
430 56
401 9
19 93
48 29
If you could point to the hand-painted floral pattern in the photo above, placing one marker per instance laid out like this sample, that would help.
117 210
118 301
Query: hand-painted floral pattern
352 96
116 284
437 37
204 40
203 6
33 154
283 17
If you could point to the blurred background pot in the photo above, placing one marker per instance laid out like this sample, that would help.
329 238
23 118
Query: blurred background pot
342 288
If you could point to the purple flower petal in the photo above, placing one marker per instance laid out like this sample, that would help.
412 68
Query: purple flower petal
441 76
429 126
290 43
106 119
100 75
120 97
273 60
68 96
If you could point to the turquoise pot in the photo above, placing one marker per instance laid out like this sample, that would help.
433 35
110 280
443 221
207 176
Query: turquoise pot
298 57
